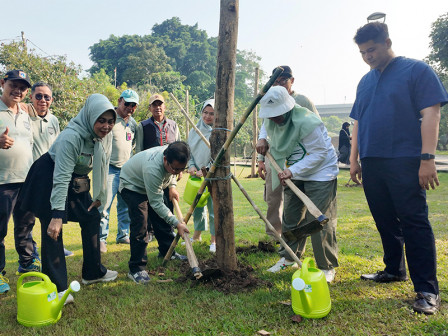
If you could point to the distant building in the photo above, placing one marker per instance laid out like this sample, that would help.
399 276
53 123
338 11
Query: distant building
338 110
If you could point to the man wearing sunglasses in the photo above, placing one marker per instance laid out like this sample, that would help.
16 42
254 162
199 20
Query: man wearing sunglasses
16 157
123 144
45 128
45 124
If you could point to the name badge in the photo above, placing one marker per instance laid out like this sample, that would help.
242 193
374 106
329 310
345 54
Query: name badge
128 136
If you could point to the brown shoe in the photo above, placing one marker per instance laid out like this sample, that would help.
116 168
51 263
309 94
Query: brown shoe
426 303
103 247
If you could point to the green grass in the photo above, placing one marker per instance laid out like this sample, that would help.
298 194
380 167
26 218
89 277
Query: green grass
358 307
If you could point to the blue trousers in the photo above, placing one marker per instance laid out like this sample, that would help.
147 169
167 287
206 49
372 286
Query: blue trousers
113 181
398 206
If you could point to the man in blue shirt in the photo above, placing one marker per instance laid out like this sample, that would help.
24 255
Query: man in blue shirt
397 115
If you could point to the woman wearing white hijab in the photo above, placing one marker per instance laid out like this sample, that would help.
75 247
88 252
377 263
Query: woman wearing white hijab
200 157
57 187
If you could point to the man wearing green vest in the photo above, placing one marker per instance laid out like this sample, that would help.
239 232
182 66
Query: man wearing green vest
274 198
299 142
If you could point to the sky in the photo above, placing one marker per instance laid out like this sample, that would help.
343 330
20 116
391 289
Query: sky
315 38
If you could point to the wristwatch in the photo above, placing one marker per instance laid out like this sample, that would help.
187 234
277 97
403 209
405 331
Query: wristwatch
427 156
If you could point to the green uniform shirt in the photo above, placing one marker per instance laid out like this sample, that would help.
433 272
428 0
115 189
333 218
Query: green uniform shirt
45 132
17 160
123 141
145 173
303 101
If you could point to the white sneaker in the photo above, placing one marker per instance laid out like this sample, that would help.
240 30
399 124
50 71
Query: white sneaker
213 247
69 299
109 276
192 240
282 264
329 274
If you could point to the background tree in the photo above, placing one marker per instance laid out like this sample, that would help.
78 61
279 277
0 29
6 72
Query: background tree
69 91
438 59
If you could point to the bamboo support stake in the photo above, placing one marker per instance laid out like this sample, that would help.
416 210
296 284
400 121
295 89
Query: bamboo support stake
192 260
221 153
257 210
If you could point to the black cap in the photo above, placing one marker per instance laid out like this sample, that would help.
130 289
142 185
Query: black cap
18 75
287 72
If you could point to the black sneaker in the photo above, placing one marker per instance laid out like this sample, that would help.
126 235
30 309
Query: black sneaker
175 256
383 277
140 277
426 303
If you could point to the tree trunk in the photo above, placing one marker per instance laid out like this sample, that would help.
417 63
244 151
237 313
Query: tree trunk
224 104
255 127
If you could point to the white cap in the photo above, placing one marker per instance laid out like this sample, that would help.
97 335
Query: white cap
276 102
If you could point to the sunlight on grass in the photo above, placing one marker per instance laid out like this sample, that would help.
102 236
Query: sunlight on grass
189 308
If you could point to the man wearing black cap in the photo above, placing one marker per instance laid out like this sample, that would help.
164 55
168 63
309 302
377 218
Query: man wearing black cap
16 157
274 198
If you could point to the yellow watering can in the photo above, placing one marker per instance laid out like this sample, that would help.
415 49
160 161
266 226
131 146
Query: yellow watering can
191 190
38 302
310 296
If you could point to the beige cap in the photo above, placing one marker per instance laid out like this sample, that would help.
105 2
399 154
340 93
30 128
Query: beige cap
155 97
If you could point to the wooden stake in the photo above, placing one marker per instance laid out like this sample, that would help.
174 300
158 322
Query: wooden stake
255 128
257 210
224 148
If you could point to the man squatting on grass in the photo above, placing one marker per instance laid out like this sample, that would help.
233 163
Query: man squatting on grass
300 143
142 181
397 115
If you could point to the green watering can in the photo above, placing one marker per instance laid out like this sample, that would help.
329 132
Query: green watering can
310 296
191 190
38 302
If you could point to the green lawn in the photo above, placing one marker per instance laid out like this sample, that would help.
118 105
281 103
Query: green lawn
358 307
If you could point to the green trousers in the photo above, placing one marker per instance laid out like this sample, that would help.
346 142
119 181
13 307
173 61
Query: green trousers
323 195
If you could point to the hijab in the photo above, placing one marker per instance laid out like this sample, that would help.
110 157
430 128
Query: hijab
83 124
199 150
298 123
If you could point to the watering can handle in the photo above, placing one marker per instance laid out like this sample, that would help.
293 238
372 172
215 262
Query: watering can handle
308 262
44 277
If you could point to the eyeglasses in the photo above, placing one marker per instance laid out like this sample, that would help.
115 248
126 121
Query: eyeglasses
176 170
130 104
281 81
211 114
39 96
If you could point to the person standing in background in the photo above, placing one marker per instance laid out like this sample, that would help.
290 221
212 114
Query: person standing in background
123 143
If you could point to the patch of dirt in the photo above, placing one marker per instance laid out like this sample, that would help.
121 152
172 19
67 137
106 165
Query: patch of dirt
265 246
240 280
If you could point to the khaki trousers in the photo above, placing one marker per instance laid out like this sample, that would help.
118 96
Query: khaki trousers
323 195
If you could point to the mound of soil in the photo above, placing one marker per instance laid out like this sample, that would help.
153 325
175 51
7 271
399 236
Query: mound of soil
240 280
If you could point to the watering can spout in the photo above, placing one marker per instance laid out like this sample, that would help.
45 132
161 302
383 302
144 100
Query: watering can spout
74 287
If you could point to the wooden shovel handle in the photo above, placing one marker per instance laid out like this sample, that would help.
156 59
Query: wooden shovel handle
308 203
192 260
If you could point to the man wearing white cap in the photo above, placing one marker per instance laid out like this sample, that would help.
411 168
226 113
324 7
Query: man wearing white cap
274 197
300 143
122 145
